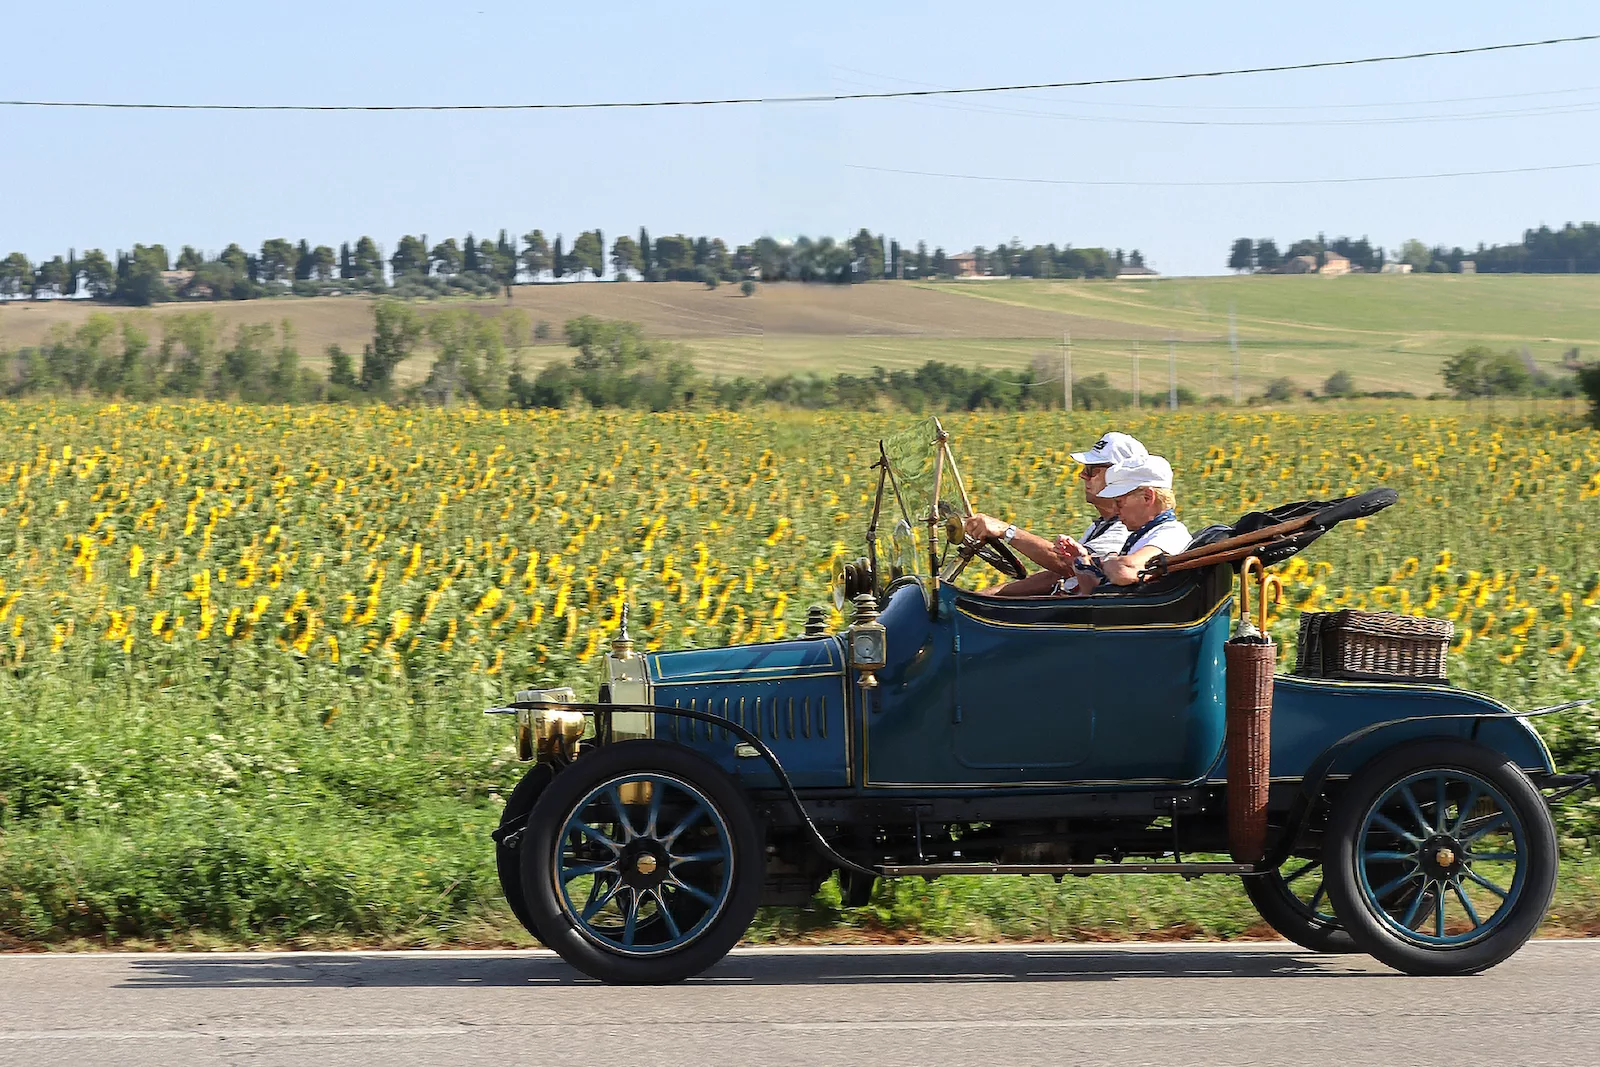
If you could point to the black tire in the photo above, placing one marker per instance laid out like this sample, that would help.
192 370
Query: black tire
719 926
1306 923
1400 941
507 858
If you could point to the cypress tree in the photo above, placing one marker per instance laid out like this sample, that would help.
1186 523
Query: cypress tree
646 253
558 259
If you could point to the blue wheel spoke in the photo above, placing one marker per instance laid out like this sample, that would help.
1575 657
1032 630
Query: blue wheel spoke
666 914
1316 898
569 873
1472 913
622 814
1394 828
585 828
1490 886
1441 803
1438 909
631 922
1492 857
1416 906
1416 810
594 891
1396 884
1289 878
699 857
1479 831
684 887
1404 857
1465 811
684 823
655 810
592 908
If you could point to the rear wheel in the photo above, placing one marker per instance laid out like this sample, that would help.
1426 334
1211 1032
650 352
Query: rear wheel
1441 858
1294 901
642 863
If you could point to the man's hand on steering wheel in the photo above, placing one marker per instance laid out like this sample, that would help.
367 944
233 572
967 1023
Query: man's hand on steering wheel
987 537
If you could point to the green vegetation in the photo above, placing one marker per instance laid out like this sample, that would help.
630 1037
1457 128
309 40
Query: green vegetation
243 649
1572 249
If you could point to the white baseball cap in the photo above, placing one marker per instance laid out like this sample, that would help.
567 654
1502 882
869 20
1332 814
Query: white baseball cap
1114 447
1145 472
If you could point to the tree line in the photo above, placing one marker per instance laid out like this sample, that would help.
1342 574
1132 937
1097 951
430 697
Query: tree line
417 268
478 358
1573 249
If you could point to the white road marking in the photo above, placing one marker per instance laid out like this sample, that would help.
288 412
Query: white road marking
1053 1024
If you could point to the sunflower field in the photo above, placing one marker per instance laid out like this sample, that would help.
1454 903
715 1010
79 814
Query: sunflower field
244 650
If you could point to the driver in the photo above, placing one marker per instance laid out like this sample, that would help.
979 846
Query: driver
1104 536
1141 489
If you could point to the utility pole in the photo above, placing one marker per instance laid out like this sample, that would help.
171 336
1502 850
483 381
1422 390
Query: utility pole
1172 376
1136 399
1066 369
1233 343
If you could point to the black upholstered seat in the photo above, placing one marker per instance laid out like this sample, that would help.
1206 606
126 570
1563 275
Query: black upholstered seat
1181 598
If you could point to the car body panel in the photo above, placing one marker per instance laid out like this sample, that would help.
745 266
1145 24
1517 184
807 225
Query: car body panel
1038 696
793 695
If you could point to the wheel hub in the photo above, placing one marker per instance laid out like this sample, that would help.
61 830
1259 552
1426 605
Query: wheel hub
644 865
1441 857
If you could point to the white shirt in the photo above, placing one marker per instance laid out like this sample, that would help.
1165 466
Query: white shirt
1170 538
1108 542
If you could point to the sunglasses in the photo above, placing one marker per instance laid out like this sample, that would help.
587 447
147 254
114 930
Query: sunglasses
1091 469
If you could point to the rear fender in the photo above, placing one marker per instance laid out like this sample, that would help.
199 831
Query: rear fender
1476 718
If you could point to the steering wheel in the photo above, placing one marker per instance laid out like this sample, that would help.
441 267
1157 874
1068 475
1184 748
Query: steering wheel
993 551
996 553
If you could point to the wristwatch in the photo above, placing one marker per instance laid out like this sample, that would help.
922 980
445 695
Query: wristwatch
1011 531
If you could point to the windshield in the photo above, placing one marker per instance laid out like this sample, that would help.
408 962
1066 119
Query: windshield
921 482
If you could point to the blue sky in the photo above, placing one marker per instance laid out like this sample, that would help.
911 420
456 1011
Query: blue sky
108 179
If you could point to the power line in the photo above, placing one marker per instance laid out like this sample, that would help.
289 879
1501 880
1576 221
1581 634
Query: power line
1221 184
1573 108
814 98
1253 107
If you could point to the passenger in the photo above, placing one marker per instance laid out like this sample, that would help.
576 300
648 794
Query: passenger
1104 536
1142 492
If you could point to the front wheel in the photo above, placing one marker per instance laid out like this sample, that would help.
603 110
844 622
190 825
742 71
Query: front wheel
642 863
1441 858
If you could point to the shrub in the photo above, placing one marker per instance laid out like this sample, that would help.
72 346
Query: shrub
1339 383
1281 389
1589 379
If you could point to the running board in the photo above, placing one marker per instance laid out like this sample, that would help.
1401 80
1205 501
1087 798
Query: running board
935 870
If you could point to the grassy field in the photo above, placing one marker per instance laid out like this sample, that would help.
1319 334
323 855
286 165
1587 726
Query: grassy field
243 651
1389 331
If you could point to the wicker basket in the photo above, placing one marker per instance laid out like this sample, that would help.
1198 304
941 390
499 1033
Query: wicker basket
1249 735
1372 645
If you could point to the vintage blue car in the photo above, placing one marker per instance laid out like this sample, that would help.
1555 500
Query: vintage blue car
940 734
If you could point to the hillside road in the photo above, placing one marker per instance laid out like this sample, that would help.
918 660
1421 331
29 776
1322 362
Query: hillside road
1021 1004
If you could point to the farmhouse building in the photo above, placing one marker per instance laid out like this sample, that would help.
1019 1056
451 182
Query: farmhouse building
963 265
1137 272
1334 263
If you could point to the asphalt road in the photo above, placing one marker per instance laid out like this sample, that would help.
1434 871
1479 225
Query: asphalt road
1129 1004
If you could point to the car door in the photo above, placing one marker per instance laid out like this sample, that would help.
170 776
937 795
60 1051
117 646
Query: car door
1026 708
1087 691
